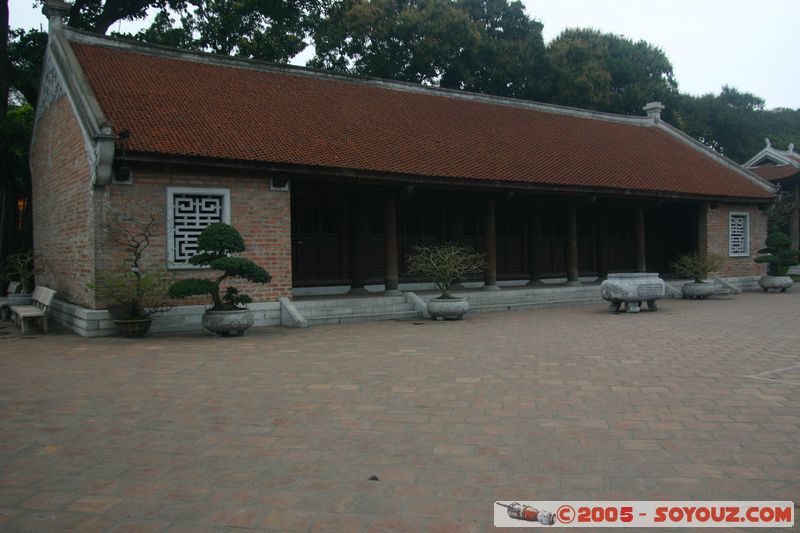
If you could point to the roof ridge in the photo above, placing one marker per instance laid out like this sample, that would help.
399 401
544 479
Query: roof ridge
89 38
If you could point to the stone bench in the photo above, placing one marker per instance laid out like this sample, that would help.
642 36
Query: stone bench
39 310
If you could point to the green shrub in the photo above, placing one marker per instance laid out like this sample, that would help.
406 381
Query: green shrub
779 256
136 295
696 266
445 264
215 244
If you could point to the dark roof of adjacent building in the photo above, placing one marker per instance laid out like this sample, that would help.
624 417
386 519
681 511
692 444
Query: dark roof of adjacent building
198 105
776 172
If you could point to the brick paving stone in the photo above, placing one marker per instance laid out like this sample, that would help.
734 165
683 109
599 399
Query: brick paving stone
49 501
94 504
281 431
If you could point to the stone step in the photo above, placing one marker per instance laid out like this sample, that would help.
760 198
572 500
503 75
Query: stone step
344 310
516 306
533 295
363 317
352 302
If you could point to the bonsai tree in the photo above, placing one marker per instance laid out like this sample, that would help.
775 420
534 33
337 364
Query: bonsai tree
696 266
445 264
215 244
23 267
138 295
779 256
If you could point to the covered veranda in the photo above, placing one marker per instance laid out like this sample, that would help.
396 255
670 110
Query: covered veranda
347 236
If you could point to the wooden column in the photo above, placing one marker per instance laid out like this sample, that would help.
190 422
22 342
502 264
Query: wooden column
490 237
794 230
455 225
391 278
572 245
535 244
359 242
641 262
602 243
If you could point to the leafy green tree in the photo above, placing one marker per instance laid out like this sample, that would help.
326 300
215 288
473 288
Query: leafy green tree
410 41
163 31
255 29
486 46
782 127
510 57
25 53
15 134
4 70
732 122
99 15
607 72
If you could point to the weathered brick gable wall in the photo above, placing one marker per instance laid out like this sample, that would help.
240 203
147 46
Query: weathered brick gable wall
714 238
63 230
261 216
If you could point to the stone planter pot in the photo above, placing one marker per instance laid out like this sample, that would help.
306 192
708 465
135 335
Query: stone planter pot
228 323
699 291
448 308
20 299
135 328
775 283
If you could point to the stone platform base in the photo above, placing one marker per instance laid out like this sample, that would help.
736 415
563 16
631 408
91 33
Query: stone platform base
97 323
310 310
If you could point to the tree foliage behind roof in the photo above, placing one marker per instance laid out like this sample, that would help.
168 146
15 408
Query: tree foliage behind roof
254 29
608 72
488 46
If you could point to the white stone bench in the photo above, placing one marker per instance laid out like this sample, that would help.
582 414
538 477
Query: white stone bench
42 296
12 289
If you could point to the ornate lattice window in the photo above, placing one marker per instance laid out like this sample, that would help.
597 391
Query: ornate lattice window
189 211
739 234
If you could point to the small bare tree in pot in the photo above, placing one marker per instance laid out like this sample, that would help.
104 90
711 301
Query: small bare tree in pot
228 314
445 265
137 295
697 267
779 256
22 267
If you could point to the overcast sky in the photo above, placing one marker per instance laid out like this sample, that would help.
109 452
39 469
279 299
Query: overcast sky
750 45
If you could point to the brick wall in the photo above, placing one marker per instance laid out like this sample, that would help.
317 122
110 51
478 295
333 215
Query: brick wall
69 216
261 216
63 230
713 238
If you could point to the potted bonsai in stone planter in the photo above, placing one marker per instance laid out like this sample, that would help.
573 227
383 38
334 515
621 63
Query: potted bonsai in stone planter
446 264
137 296
228 314
697 266
779 257
22 267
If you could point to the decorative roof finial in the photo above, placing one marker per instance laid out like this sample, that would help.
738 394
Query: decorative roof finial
653 110
55 11
766 140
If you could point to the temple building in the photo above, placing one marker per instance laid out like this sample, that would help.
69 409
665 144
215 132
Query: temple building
333 179
782 168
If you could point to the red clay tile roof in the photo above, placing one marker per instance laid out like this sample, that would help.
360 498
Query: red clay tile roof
775 172
194 108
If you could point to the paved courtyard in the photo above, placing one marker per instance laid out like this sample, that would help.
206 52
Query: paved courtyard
282 429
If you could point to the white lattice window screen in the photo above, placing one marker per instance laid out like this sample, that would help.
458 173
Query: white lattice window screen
738 235
190 211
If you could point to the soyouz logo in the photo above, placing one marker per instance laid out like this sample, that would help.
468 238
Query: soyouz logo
644 514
